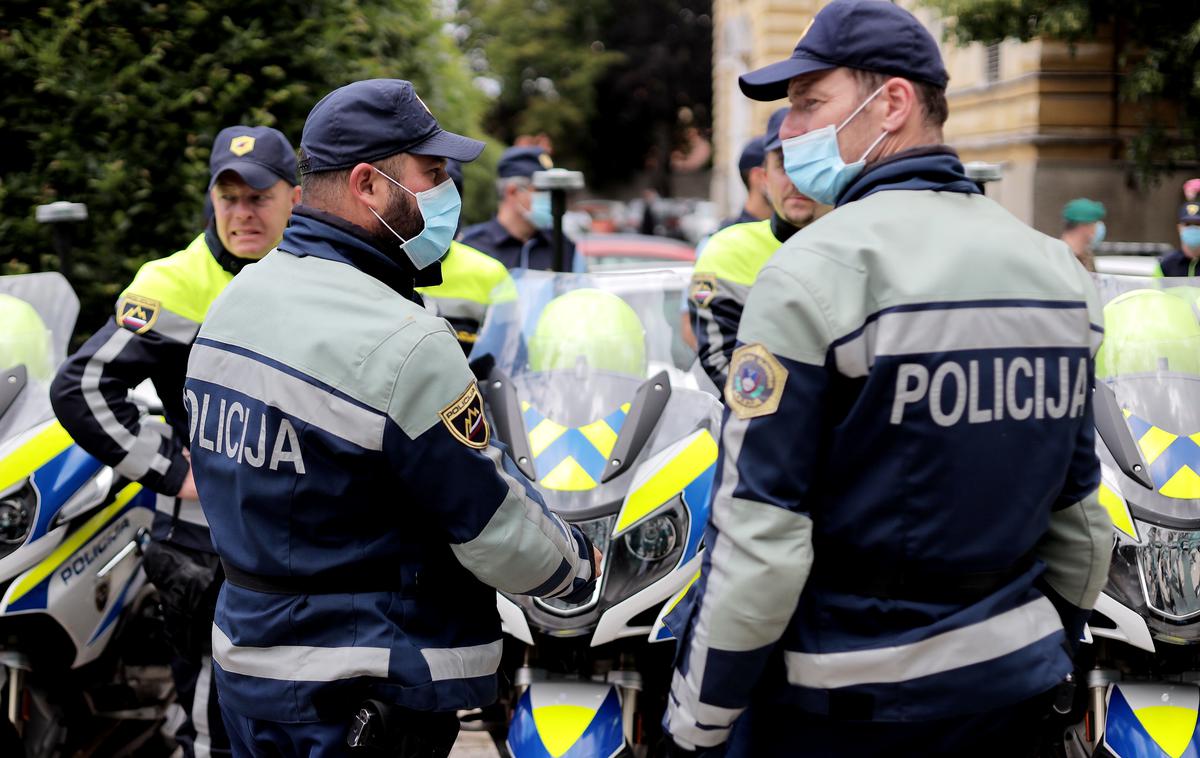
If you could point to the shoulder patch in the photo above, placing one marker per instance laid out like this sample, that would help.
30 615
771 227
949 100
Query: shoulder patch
137 313
755 383
702 289
465 419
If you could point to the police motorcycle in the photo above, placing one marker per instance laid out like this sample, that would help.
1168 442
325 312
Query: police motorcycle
1140 657
77 618
589 387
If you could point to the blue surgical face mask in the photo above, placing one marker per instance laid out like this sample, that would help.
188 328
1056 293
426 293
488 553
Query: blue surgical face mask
539 213
813 161
1101 230
439 208
1190 237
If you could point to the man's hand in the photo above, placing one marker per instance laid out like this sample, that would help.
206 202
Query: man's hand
188 490
597 556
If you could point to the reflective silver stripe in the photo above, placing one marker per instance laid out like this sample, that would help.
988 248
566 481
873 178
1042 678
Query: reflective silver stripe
189 510
299 663
175 327
293 396
463 662
977 643
945 330
203 744
144 456
141 457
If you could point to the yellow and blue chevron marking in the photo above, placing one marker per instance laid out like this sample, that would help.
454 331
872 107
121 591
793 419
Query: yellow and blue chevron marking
1174 459
1154 731
566 730
571 459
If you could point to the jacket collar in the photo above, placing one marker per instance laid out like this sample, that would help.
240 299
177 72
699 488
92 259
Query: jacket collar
324 235
225 259
934 167
782 229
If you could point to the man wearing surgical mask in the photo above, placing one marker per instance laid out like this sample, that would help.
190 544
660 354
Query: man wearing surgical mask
877 581
362 518
519 235
1083 229
1183 262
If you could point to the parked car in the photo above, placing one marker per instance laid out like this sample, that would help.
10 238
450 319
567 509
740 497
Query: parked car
629 251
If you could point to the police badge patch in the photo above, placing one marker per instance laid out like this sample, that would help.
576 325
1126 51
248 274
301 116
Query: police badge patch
465 420
239 146
137 314
755 383
702 289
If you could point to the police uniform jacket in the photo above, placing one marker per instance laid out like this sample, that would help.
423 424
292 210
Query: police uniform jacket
157 318
341 450
1177 263
721 280
905 510
536 253
471 281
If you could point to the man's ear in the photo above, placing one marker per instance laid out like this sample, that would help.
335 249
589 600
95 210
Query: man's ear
365 185
900 100
296 195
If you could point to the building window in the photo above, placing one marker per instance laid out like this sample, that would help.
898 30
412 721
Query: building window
993 63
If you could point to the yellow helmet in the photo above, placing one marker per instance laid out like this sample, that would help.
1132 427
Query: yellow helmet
1149 330
590 325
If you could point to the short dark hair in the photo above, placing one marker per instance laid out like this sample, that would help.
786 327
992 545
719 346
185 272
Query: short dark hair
931 97
746 177
321 189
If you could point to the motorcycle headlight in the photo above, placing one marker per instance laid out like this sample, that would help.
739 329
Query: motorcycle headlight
1169 567
653 540
17 510
598 531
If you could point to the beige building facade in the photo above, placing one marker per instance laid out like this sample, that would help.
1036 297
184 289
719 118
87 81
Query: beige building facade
1047 113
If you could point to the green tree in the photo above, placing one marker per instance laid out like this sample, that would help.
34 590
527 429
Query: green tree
1156 43
115 103
546 57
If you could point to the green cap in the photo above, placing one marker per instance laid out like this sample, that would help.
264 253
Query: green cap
1083 211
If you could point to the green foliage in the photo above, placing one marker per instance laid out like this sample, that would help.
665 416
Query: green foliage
547 57
115 103
1156 43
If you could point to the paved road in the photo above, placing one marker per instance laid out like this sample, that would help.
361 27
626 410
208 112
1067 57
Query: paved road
474 745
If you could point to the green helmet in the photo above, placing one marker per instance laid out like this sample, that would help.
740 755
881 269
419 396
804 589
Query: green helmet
24 339
592 325
1149 330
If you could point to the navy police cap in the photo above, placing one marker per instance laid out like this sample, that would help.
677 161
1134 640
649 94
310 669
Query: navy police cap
771 139
752 156
522 161
871 35
372 119
259 154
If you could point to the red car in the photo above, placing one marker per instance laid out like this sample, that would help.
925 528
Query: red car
624 251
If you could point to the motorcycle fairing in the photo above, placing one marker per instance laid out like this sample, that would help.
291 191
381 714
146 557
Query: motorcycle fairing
1150 720
1174 459
571 459
688 464
64 584
557 719
1118 509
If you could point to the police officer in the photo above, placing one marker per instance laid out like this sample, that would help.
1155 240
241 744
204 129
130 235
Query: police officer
1182 262
1083 229
471 281
730 262
341 450
519 234
750 168
252 187
905 536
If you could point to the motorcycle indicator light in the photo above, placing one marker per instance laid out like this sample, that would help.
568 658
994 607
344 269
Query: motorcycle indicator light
16 515
653 540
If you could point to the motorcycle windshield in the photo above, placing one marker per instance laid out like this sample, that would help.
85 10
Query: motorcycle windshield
37 314
1150 357
577 348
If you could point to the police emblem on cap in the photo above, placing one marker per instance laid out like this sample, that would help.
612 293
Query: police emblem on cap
702 289
755 382
137 314
1193 209
465 420
239 146
544 159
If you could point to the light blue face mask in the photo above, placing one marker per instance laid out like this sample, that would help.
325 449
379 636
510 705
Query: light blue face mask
1101 230
813 161
540 214
1190 237
439 208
